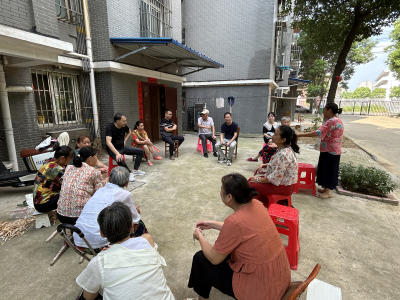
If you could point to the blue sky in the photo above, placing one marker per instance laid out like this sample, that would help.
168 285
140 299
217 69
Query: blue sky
372 69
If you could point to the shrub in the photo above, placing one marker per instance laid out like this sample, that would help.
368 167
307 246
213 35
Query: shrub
316 125
366 180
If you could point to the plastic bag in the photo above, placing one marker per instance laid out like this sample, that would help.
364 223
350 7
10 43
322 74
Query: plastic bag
22 212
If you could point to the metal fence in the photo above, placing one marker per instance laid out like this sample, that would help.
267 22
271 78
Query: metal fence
376 107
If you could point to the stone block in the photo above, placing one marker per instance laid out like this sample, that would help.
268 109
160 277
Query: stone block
360 195
391 199
374 198
344 192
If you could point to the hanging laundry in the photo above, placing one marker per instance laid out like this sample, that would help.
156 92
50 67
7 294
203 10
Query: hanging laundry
220 102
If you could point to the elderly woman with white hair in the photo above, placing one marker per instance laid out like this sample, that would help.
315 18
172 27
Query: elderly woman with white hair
112 192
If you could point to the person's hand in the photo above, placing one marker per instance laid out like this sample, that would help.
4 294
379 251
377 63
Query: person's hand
214 137
204 225
106 248
208 127
227 144
103 169
197 233
138 209
258 169
254 179
119 157
174 127
124 143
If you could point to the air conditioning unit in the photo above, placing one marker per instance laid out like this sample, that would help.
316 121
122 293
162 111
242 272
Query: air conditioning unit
279 75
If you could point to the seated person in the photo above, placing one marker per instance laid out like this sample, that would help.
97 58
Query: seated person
81 181
265 151
131 268
281 171
207 132
49 178
84 141
167 127
248 259
116 135
112 192
269 127
142 141
228 137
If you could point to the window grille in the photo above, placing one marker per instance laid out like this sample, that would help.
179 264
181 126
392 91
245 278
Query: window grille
57 98
69 11
155 18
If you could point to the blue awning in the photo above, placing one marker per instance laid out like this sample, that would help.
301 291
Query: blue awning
299 80
168 50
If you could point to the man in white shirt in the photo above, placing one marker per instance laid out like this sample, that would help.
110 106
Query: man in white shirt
130 269
207 132
112 192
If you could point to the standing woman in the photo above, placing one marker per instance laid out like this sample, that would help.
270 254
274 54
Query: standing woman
47 186
269 127
331 134
142 141
81 181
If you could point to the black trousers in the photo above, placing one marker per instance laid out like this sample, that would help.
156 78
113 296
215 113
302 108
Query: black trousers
68 220
204 275
129 151
203 138
49 205
170 140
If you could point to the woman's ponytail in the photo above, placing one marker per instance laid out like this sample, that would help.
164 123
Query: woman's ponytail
84 154
77 161
293 143
290 136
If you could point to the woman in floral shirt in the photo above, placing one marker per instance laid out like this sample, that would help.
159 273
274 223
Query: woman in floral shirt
331 134
47 186
282 169
81 181
142 141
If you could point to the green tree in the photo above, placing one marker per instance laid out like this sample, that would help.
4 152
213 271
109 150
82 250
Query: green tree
361 92
334 26
394 56
395 92
378 93
347 95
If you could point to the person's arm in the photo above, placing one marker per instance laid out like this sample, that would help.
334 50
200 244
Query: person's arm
128 201
213 131
306 134
209 252
118 156
149 238
89 296
233 138
127 137
204 225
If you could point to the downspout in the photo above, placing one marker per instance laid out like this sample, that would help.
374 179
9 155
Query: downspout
6 114
91 74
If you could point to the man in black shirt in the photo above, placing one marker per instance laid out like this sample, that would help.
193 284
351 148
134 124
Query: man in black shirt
166 129
229 132
116 135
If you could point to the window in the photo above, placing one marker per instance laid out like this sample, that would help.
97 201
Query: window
57 98
69 11
155 18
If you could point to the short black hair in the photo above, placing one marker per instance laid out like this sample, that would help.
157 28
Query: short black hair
167 110
115 222
118 116
227 113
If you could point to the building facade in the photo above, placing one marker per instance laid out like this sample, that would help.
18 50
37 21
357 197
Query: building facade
386 80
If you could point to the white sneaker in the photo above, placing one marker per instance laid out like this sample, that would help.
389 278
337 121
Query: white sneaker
138 172
222 160
131 177
228 162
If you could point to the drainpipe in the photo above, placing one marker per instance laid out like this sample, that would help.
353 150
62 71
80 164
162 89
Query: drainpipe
5 109
91 74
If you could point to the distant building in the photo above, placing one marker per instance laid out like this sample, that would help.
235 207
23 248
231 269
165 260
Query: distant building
368 84
386 80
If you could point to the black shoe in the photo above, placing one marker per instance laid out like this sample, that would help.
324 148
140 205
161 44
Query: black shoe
205 155
215 154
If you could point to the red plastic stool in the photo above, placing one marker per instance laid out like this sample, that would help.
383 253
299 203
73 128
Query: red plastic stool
273 199
289 218
200 146
111 164
306 182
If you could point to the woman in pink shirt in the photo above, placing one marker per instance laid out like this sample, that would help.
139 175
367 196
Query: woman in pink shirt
331 134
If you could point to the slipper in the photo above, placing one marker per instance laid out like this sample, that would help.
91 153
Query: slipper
324 196
321 191
156 149
150 163
252 159
157 158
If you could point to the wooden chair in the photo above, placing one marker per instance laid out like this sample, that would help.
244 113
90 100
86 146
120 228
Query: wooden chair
298 287
225 149
176 149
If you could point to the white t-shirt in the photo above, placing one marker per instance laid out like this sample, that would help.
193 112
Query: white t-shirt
129 271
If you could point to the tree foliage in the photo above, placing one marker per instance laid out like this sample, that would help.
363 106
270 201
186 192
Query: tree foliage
361 92
347 95
395 92
378 93
394 55
336 25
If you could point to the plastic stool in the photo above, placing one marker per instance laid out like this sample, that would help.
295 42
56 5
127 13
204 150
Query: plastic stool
273 199
306 182
200 146
111 164
176 149
288 217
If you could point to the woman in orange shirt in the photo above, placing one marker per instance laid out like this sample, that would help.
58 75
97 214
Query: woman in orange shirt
248 260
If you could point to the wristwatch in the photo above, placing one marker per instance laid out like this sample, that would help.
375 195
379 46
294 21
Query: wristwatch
257 179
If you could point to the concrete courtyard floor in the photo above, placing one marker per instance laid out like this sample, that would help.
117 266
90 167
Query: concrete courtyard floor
355 240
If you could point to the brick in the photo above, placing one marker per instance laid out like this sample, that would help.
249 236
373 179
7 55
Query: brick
374 198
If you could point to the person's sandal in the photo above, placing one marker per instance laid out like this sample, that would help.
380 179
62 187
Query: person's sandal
324 195
157 158
252 159
172 158
150 163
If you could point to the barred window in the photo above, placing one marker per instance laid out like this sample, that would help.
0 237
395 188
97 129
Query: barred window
69 11
155 18
57 98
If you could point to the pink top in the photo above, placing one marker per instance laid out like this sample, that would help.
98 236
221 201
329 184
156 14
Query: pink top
331 134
